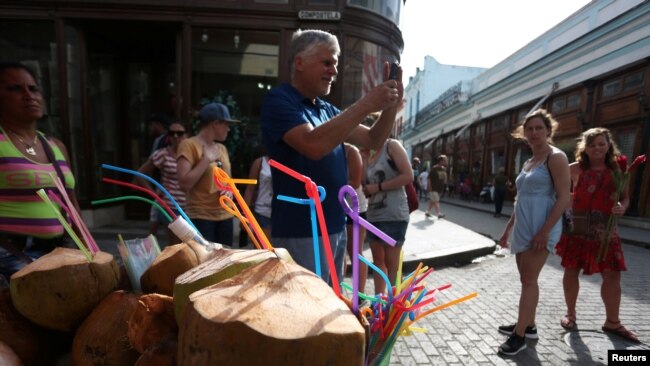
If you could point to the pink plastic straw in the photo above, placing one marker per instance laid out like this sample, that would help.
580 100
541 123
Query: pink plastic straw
312 192
74 215
88 240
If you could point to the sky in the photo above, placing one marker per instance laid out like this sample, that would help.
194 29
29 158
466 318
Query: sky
478 33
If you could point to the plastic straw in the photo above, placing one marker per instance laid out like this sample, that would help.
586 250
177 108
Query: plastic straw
314 227
230 206
353 213
158 185
74 215
136 198
313 193
41 193
444 306
389 287
87 238
223 180
142 189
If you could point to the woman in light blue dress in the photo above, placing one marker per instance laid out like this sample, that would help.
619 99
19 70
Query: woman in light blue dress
535 227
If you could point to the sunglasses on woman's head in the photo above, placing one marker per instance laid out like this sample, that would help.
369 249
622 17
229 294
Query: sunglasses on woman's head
176 133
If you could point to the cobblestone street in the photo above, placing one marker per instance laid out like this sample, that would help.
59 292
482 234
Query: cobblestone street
466 334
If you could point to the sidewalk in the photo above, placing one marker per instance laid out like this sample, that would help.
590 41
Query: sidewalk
629 234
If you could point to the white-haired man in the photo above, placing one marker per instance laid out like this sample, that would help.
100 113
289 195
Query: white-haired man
307 134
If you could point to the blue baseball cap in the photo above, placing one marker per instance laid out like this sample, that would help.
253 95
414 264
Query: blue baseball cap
215 112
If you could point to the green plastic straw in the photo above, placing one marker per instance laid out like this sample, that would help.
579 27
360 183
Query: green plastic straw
41 193
362 295
137 198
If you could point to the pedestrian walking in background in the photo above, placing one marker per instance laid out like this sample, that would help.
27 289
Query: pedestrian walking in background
158 124
164 160
306 134
423 178
197 157
258 197
387 173
534 227
593 203
499 184
415 165
437 184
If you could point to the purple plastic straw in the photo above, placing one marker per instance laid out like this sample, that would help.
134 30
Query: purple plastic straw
353 212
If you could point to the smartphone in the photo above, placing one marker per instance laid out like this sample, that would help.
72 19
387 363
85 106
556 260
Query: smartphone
394 67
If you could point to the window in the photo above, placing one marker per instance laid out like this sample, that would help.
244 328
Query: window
480 130
633 81
363 69
625 138
611 88
559 104
573 101
568 145
388 8
521 115
566 102
500 124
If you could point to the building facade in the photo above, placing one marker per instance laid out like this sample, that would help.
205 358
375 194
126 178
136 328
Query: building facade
592 69
105 66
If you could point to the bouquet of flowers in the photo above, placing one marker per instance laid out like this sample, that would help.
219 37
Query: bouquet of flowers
620 176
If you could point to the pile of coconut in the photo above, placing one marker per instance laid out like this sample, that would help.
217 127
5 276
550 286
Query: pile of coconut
197 307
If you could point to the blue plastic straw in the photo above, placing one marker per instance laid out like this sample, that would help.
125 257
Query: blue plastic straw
158 185
314 221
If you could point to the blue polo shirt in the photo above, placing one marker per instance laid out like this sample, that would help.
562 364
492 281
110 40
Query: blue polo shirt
283 109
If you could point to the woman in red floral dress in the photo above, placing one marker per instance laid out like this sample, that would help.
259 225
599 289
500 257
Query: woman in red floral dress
593 202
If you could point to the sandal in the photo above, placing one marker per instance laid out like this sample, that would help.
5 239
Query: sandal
621 331
568 322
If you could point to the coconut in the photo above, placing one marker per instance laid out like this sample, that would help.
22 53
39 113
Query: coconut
274 311
152 321
171 262
224 264
59 289
102 337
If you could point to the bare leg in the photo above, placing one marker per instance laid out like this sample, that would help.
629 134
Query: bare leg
571 284
392 262
379 260
363 268
530 265
436 206
610 292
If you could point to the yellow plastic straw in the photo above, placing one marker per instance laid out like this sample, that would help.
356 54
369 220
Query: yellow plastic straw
444 306
41 193
398 280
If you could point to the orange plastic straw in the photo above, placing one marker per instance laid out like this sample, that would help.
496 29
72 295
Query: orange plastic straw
444 306
224 181
230 206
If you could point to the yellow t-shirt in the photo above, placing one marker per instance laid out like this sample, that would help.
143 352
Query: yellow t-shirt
203 198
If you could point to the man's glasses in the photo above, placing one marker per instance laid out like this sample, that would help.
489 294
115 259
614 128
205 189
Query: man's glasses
176 133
